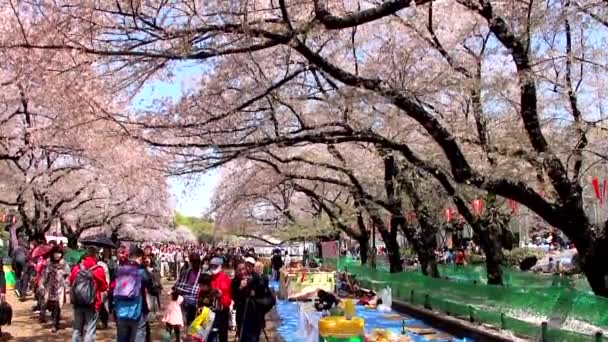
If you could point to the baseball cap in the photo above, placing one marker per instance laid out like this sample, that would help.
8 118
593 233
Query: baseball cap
250 260
216 262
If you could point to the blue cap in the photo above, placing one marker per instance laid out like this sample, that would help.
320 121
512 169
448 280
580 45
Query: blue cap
216 261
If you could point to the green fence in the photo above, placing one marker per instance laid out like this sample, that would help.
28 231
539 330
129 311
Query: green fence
495 305
511 277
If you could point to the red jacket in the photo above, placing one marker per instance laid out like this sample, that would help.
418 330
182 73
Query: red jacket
98 274
221 282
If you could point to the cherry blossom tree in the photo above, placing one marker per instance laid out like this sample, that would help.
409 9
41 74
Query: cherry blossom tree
508 98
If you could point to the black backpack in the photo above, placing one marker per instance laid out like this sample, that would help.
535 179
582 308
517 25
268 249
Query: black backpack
84 287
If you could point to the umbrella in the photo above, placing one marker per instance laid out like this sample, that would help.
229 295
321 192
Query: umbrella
99 241
73 256
41 250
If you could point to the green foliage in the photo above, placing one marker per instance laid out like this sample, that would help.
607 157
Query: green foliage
515 256
202 228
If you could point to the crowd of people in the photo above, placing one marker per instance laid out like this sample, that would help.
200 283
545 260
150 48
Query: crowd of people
124 285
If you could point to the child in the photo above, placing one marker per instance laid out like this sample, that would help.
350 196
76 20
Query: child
206 296
173 318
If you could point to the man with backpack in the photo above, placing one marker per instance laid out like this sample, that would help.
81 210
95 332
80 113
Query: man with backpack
88 281
133 282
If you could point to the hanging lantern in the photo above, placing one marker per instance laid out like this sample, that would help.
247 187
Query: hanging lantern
604 189
448 215
596 188
477 206
513 205
410 216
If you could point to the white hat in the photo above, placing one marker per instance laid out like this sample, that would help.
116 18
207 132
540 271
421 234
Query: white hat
250 260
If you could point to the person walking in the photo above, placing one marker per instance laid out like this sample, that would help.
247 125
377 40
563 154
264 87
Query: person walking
179 262
258 301
104 311
133 282
88 281
237 291
220 283
173 317
276 263
53 287
187 286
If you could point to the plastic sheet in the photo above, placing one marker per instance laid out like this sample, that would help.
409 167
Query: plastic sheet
290 330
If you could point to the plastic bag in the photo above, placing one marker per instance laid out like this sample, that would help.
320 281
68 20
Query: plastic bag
202 324
387 299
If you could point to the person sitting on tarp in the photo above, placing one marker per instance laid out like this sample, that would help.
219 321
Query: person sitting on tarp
325 301
369 298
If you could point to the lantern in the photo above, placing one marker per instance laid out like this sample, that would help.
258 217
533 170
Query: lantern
513 205
596 188
477 206
410 217
448 215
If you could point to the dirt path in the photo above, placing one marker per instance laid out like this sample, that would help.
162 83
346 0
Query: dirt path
25 326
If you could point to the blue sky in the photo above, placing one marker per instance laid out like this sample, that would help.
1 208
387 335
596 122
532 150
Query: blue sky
192 194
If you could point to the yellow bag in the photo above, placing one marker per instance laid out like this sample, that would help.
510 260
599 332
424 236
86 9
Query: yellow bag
202 324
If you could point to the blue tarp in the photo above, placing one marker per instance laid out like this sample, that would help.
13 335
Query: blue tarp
374 319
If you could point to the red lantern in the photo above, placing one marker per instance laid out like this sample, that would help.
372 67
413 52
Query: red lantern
477 206
513 205
448 215
410 217
596 187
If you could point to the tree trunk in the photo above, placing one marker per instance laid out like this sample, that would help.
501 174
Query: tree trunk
489 239
428 264
114 237
36 235
593 264
392 248
72 241
363 249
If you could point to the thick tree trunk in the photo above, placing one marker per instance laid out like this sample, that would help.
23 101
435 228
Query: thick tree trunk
363 249
72 241
392 248
424 251
593 264
428 264
494 257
